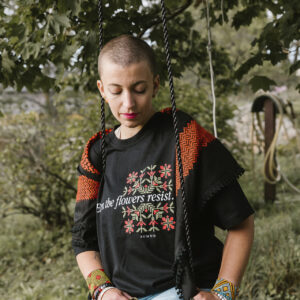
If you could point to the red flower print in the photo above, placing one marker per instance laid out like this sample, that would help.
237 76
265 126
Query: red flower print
154 183
155 211
129 190
165 170
128 210
141 223
142 175
131 177
153 222
151 173
129 226
166 207
168 223
164 186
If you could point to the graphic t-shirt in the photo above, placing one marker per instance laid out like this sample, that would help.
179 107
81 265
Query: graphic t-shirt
135 207
136 212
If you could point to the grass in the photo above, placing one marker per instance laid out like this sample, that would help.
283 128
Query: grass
37 264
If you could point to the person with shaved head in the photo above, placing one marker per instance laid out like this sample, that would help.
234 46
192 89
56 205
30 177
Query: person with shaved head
130 233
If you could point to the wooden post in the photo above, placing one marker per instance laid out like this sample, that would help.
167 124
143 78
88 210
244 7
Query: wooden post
269 108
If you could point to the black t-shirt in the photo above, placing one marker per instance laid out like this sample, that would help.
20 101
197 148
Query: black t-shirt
136 212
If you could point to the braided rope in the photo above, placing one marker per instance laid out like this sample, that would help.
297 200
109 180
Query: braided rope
103 155
175 124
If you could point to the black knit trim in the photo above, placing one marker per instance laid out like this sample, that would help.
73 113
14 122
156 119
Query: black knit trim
93 176
181 261
221 183
230 176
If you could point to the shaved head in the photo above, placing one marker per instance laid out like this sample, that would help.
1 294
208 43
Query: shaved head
125 50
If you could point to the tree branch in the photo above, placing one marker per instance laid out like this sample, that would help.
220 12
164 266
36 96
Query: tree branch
46 170
169 17
67 184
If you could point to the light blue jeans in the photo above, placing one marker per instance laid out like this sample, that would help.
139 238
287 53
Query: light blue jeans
170 294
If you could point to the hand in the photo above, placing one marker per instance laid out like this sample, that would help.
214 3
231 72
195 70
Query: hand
205 296
115 294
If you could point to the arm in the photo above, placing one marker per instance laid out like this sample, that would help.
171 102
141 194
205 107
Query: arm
89 261
237 251
235 255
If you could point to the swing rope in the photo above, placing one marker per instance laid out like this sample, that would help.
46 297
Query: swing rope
103 154
175 124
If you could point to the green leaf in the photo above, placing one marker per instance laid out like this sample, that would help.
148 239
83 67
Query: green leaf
7 63
294 67
62 20
261 82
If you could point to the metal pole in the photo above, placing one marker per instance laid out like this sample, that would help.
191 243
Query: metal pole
269 108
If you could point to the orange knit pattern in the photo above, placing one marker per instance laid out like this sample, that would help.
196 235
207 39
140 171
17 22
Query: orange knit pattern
85 162
168 110
192 139
87 188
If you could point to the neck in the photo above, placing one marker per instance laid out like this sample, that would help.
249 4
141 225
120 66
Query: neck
128 132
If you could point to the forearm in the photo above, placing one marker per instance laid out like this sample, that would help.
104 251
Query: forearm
237 251
88 261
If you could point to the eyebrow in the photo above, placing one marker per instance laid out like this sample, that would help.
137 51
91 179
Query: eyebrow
134 84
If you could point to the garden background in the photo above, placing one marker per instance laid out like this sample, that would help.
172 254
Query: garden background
49 108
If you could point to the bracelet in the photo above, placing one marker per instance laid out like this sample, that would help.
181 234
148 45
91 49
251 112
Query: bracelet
104 290
225 289
221 296
95 279
100 288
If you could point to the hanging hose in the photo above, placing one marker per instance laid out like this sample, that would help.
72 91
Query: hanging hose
270 176
271 169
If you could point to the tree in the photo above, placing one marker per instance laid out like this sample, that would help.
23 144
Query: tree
277 42
41 42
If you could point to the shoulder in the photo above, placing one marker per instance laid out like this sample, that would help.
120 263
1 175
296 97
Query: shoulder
90 162
189 128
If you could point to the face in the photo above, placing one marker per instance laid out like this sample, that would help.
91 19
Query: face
128 91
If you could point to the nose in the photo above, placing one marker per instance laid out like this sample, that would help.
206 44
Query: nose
128 100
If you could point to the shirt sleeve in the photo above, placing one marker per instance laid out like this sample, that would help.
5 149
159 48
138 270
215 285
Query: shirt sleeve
229 207
84 231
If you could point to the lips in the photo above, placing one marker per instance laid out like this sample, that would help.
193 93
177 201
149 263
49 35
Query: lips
130 116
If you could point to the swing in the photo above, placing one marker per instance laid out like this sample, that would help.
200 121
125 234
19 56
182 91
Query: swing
180 266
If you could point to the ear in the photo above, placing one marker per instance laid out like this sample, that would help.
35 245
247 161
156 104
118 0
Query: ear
101 89
156 83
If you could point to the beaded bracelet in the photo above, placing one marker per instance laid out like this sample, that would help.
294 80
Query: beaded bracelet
104 290
221 297
95 279
98 291
225 290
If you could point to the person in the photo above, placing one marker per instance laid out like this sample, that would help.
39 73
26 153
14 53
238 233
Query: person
128 220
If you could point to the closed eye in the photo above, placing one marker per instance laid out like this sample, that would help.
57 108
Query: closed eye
141 92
